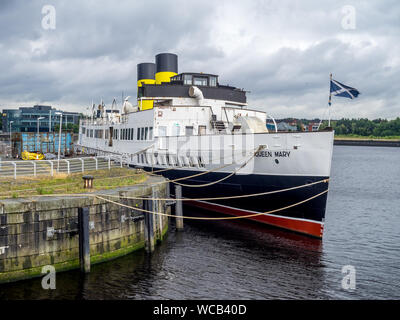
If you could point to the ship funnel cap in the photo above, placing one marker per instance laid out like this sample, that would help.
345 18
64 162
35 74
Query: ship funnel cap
166 62
146 70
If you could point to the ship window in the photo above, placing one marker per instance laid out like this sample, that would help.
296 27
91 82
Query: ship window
187 79
141 133
213 81
202 130
138 134
189 131
162 131
83 130
176 129
146 131
199 81
151 133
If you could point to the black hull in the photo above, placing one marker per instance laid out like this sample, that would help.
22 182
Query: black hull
312 210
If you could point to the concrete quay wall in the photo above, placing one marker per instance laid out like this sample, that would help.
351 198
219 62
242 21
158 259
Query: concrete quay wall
42 231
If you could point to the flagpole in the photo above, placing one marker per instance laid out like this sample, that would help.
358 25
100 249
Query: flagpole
330 102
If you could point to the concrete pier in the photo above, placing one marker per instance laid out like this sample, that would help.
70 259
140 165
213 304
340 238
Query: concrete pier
40 231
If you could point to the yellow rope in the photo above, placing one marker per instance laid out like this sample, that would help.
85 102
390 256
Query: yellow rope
224 197
218 218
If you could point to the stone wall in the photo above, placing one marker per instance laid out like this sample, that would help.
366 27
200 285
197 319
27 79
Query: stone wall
42 231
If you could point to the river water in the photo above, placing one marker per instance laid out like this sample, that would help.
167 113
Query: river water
243 260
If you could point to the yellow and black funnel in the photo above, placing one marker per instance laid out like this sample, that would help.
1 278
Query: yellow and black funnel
145 75
166 67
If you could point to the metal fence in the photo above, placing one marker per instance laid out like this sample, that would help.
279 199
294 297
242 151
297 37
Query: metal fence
22 168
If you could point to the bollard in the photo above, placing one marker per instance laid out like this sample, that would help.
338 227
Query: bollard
168 190
148 226
87 182
178 208
84 245
157 217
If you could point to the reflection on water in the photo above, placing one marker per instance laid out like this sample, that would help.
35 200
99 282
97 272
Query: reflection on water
235 259
223 260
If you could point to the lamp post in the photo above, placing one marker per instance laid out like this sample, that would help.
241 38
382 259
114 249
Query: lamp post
59 140
38 141
11 122
49 121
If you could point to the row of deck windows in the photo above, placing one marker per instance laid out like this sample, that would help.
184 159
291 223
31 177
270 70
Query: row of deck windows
196 80
176 130
172 161
144 133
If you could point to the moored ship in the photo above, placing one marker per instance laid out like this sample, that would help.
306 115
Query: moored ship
192 129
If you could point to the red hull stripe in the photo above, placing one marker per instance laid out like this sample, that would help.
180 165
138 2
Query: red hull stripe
313 228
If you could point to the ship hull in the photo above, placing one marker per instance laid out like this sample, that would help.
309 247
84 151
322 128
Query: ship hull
306 218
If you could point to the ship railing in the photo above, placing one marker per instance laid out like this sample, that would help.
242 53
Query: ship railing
33 168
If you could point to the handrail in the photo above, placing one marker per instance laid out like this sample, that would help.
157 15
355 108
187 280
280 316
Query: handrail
23 168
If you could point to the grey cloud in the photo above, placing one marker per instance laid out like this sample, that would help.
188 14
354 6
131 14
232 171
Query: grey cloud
281 51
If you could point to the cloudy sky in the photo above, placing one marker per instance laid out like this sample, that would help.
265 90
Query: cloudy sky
280 51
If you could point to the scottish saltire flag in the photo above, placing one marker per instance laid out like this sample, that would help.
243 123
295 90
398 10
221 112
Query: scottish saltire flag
341 90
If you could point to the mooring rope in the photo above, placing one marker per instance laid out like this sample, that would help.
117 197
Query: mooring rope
215 218
224 197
